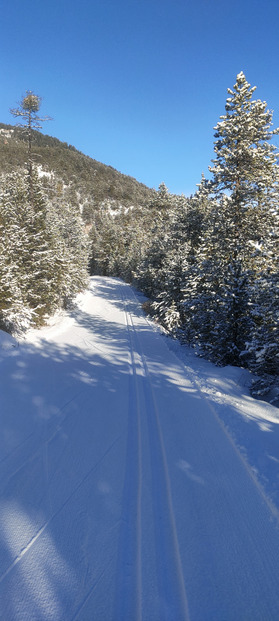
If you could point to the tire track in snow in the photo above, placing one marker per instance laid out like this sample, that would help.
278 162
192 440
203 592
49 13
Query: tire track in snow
172 593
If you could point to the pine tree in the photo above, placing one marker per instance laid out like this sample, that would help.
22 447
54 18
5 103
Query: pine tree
28 107
244 164
30 256
238 247
15 314
43 255
104 238
46 262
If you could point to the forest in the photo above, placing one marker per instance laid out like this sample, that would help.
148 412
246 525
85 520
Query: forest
208 263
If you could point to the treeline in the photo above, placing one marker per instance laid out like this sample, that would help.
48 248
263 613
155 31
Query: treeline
209 263
43 253
43 248
49 193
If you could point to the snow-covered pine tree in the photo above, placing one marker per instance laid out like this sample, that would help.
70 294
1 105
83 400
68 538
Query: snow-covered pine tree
177 244
43 254
47 282
261 352
104 239
32 248
148 273
46 262
245 159
193 224
15 314
245 181
162 199
64 220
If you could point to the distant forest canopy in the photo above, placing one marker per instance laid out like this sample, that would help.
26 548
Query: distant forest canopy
208 264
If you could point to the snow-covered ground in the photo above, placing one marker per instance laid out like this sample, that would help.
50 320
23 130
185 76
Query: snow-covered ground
137 482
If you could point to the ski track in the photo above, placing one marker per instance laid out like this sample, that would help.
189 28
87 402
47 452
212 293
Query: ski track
171 583
129 589
152 525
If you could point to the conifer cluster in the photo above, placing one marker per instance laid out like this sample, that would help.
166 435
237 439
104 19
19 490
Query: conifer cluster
43 248
210 263
43 254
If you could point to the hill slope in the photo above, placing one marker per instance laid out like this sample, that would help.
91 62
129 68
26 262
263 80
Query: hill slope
93 181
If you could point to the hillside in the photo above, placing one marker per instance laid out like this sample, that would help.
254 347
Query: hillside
94 182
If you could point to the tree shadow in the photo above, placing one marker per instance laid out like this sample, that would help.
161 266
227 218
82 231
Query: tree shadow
63 448
60 499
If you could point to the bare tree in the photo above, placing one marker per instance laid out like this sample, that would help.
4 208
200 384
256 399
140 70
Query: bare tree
28 108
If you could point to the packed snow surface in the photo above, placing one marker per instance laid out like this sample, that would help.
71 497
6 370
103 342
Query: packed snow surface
138 483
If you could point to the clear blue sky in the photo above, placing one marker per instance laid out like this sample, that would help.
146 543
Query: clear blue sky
138 84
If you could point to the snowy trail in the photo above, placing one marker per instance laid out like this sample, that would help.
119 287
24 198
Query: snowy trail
145 434
122 495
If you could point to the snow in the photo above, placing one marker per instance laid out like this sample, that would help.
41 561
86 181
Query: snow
7 342
7 133
138 482
43 173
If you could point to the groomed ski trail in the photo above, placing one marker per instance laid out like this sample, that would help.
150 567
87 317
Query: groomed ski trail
145 434
123 497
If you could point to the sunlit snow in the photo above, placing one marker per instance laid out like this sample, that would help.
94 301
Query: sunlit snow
138 482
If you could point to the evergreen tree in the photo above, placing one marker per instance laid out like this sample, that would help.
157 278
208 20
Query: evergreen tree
15 314
105 238
43 249
245 163
43 255
31 254
162 198
238 246
186 217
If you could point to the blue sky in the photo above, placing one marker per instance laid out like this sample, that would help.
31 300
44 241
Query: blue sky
138 84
